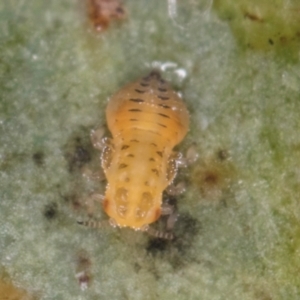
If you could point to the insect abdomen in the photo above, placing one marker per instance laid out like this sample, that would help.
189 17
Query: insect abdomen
147 119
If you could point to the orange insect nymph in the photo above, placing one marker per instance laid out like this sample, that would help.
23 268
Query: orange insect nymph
146 119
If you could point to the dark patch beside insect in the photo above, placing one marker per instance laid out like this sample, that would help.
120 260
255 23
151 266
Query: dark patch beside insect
78 150
137 100
50 211
162 125
140 91
177 250
134 120
130 155
187 227
151 159
38 158
156 246
163 115
153 144
135 110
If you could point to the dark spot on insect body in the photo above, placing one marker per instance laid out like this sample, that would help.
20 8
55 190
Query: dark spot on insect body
153 144
144 84
50 211
159 153
137 100
122 166
151 159
134 141
124 147
134 120
163 115
163 98
155 171
135 110
130 155
140 91
162 89
164 106
162 125
38 158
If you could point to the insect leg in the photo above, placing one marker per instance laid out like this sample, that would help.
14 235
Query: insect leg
94 224
97 138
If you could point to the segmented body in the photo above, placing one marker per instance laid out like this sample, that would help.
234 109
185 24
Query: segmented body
146 119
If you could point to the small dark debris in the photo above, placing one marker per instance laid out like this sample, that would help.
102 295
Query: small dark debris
253 17
137 267
78 150
187 228
73 201
271 42
50 211
38 158
156 246
83 269
222 154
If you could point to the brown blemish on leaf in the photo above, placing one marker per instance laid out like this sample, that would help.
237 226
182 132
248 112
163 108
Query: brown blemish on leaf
83 269
38 158
102 12
213 176
77 151
50 211
253 17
